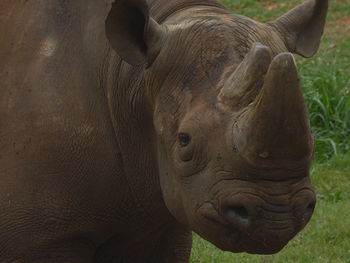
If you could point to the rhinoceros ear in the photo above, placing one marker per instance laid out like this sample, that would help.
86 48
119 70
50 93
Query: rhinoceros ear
132 33
302 27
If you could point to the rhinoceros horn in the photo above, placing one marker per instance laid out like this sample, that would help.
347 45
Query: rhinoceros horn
275 127
244 84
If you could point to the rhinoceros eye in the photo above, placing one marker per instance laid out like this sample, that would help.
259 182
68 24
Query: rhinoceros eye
184 139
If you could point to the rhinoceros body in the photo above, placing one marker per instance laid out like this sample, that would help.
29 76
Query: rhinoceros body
125 126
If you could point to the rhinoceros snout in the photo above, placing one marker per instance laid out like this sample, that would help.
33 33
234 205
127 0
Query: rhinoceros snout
255 222
239 216
273 221
304 205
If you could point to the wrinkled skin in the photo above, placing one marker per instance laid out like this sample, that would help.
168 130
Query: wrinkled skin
119 136
207 177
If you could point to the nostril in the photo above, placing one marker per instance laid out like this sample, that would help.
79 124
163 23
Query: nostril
309 210
238 215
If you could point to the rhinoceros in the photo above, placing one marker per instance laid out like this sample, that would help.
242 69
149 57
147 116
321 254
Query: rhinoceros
127 125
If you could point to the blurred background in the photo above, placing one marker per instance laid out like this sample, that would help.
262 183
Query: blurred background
326 86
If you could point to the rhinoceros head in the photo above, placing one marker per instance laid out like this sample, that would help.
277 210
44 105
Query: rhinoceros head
233 137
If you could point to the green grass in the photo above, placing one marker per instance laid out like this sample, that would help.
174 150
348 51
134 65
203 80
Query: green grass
326 86
327 237
268 10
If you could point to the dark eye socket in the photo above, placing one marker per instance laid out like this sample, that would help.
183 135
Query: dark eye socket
184 139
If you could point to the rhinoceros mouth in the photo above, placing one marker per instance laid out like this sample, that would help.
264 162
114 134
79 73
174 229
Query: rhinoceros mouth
227 237
233 240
